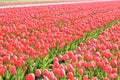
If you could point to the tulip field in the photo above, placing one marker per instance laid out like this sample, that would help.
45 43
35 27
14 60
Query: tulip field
78 41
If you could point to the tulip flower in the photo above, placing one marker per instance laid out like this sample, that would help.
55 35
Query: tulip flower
106 53
106 78
94 78
30 76
12 69
85 77
70 68
37 72
2 71
70 75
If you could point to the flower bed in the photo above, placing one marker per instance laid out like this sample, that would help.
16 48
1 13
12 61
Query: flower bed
35 42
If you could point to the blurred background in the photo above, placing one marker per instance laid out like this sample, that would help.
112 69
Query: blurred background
16 2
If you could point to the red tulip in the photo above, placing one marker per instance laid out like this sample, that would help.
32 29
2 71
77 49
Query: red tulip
30 76
118 62
70 75
91 64
2 70
70 54
94 78
56 65
85 77
70 68
106 78
12 69
6 58
78 65
55 59
108 68
88 56
45 72
65 57
106 53
114 63
111 76
81 71
74 59
59 57
62 72
51 76
56 71
37 72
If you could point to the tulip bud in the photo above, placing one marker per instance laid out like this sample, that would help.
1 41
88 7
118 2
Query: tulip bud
12 69
30 76
37 72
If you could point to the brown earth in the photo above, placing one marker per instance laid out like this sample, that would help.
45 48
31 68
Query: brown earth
8 3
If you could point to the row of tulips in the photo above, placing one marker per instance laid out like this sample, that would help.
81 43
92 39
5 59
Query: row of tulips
96 59
28 34
51 14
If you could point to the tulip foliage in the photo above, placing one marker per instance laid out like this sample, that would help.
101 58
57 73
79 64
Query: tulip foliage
61 42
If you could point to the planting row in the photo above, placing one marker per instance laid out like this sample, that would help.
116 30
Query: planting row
96 59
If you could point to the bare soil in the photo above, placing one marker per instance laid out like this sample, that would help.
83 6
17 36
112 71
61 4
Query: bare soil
8 3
